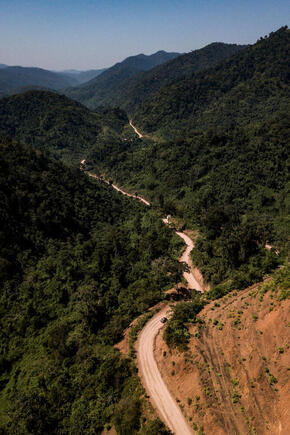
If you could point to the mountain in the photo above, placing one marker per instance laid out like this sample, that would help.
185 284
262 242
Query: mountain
57 124
94 93
82 76
76 266
249 86
2 65
12 78
215 154
144 84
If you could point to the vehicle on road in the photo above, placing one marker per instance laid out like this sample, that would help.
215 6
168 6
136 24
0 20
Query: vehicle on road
163 320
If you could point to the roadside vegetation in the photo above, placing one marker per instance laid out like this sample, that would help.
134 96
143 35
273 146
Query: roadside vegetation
77 263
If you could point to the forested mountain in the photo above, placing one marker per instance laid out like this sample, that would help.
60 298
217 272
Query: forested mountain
143 85
251 85
13 78
53 122
222 160
94 93
77 263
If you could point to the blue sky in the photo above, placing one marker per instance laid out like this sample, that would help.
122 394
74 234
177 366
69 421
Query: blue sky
83 34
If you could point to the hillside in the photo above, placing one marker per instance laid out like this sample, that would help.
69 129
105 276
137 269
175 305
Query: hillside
94 93
232 377
230 182
248 87
77 264
53 122
143 85
13 78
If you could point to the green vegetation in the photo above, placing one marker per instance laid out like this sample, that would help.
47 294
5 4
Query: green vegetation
77 264
64 127
155 427
246 88
78 261
176 333
222 168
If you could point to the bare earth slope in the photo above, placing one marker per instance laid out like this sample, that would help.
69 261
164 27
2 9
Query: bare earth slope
233 379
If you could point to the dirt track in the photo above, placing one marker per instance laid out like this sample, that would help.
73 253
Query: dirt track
167 407
135 129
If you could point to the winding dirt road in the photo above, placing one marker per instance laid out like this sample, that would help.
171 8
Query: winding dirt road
160 396
191 281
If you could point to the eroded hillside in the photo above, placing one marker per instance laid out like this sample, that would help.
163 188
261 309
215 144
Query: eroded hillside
233 377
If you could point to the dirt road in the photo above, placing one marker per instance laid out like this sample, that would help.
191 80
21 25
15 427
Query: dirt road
192 282
165 404
90 174
186 258
135 129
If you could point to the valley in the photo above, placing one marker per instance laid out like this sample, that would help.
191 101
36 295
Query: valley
144 244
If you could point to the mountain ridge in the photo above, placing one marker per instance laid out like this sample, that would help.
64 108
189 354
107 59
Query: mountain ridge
113 77
254 68
144 85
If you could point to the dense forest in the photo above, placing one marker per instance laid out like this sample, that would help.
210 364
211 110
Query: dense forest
248 87
77 263
144 85
53 122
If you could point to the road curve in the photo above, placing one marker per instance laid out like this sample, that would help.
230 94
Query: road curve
135 129
191 281
185 258
163 401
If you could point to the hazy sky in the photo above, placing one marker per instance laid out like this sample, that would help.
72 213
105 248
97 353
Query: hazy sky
83 34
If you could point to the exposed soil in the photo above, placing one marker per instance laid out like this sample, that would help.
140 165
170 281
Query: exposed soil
234 377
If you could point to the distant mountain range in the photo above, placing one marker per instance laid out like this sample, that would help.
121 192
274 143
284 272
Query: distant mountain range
13 78
100 91
126 84
82 76
17 79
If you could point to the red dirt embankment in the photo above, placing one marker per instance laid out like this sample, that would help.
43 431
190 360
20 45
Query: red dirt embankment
233 378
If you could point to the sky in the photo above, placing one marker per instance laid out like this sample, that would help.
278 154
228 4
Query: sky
86 34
